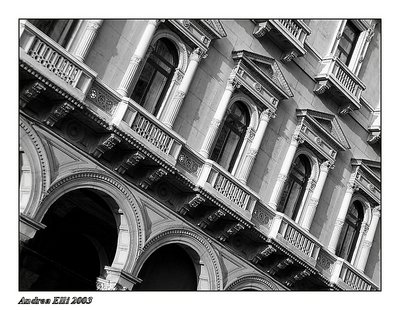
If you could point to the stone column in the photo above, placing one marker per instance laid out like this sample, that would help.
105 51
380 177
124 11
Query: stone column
351 188
171 110
310 210
280 182
248 162
126 83
218 116
369 238
87 38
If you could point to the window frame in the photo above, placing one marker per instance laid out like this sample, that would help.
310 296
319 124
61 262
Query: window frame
183 50
242 135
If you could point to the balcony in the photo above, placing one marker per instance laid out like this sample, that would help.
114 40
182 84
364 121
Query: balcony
53 62
307 248
227 188
288 234
342 274
288 34
342 84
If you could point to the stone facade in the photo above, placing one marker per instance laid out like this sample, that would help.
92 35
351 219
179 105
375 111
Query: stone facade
125 184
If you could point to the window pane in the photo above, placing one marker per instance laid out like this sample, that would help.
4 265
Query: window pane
154 93
230 148
292 200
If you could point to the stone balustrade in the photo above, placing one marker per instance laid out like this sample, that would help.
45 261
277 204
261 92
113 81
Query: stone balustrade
147 129
227 188
342 273
50 59
342 83
296 28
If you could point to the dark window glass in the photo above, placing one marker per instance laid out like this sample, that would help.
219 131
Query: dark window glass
350 231
60 30
295 187
156 76
231 136
347 43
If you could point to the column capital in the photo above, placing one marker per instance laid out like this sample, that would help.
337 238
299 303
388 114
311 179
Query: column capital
156 22
352 187
197 54
267 114
94 24
376 211
327 165
296 138
232 84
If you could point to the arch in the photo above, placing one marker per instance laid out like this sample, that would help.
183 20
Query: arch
32 147
131 234
209 272
252 282
312 180
249 103
235 134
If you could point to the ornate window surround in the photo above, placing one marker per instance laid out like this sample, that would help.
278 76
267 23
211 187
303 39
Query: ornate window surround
322 146
266 89
251 129
325 143
183 56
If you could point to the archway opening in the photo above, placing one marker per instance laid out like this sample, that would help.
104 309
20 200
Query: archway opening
80 238
169 268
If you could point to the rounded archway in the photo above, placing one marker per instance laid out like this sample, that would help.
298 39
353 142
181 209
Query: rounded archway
169 268
79 240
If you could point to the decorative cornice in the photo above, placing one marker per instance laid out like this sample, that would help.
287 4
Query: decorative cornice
130 161
58 112
152 177
30 92
106 144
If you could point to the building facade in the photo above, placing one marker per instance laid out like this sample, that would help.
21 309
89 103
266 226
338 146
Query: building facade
200 154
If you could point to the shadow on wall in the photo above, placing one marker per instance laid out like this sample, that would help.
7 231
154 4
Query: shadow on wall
277 129
99 58
205 92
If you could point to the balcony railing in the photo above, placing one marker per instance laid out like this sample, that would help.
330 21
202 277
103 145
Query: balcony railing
227 188
346 86
151 131
342 273
295 238
289 34
296 28
53 60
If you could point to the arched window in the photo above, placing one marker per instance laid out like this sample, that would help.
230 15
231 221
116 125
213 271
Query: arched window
350 231
231 136
295 187
156 76
60 30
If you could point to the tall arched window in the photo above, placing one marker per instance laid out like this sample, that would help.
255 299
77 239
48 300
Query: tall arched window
60 30
295 186
231 136
350 231
156 76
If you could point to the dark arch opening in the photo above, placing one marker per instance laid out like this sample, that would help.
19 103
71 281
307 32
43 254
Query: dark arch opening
79 240
169 268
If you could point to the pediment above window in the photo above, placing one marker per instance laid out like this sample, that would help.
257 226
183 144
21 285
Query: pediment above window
261 77
322 132
199 32
367 178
